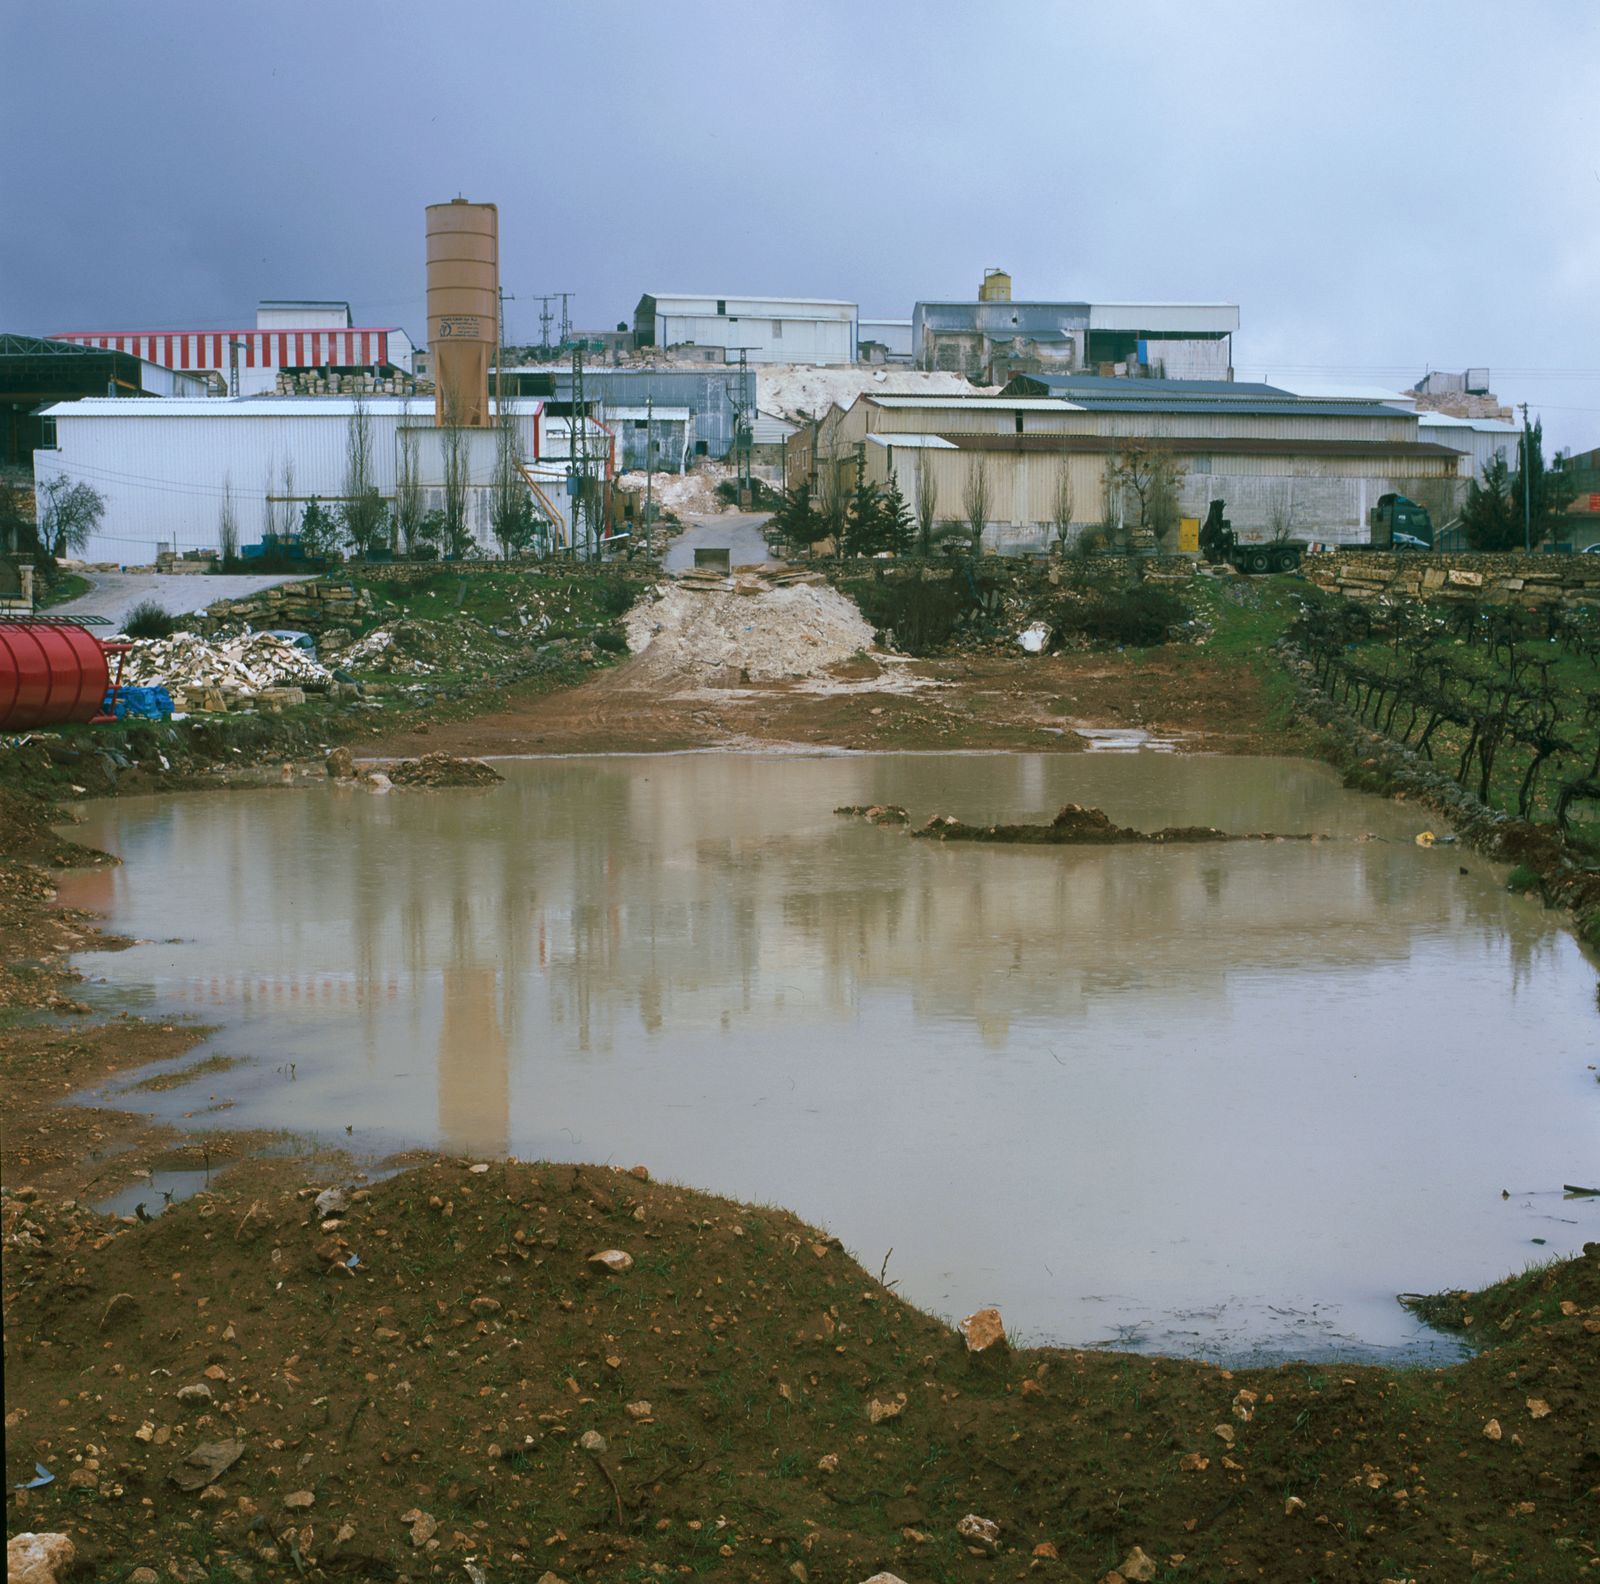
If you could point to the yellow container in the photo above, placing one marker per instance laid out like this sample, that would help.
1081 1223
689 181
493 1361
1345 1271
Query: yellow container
996 286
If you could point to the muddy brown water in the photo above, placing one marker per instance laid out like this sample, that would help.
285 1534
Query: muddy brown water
1224 1101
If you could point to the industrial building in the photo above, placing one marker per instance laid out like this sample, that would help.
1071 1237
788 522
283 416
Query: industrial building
287 337
764 329
995 337
35 372
714 398
1280 463
164 468
883 340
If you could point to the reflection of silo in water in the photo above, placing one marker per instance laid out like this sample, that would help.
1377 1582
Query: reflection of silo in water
474 1081
463 308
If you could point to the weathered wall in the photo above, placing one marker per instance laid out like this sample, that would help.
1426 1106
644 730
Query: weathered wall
1492 579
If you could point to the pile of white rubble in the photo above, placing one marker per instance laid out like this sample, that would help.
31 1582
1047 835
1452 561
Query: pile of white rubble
220 673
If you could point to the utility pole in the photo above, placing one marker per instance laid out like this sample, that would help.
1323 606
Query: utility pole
233 366
578 458
566 322
1527 482
649 467
545 318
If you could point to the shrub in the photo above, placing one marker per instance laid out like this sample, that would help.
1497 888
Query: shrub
763 497
615 596
1138 617
921 615
1522 879
149 620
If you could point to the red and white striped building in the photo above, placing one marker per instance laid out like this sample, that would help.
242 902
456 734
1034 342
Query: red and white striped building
285 336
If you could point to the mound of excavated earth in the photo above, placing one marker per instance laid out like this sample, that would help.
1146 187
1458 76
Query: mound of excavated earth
1073 826
761 633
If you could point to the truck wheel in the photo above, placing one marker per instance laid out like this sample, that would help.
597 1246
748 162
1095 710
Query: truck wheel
1258 561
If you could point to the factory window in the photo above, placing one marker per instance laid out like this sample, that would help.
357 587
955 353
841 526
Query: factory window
722 305
777 329
1018 416
641 423
47 435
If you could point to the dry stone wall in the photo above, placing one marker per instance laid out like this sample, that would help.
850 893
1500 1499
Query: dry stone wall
1489 579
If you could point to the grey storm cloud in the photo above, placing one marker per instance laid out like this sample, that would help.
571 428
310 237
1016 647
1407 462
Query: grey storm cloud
1381 188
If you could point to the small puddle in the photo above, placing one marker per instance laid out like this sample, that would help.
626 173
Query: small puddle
1221 1099
1124 739
155 1193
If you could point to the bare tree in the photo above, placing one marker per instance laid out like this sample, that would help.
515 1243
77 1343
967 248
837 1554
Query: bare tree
271 512
1280 514
1153 474
975 500
228 524
408 504
287 515
511 514
364 512
68 514
1061 505
927 503
457 464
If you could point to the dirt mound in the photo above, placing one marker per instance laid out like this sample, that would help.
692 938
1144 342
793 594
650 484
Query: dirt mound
443 770
438 1370
26 836
1077 826
759 632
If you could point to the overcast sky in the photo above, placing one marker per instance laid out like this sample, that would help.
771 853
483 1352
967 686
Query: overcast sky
1381 188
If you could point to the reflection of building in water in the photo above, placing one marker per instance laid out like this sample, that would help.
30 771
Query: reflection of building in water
474 1080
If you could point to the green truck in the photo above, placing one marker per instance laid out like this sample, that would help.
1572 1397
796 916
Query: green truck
1395 523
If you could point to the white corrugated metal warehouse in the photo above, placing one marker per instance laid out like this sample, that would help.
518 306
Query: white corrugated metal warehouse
765 329
165 467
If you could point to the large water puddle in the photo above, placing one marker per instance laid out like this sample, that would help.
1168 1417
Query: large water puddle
1222 1100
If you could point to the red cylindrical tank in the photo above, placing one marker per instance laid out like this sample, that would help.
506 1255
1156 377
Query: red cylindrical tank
50 674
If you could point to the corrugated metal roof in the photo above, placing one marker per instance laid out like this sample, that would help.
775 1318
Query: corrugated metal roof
1244 409
801 302
917 442
983 403
1202 445
258 406
1437 420
1147 389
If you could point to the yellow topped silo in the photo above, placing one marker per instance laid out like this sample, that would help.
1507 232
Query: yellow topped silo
996 286
463 308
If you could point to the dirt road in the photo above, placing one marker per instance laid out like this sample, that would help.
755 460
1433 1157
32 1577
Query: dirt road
114 594
738 533
982 701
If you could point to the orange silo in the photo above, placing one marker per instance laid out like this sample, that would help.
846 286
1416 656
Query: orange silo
463 308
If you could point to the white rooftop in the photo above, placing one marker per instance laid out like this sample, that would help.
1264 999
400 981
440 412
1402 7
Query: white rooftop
258 406
983 403
923 442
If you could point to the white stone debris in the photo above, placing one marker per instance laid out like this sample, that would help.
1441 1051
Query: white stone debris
238 668
762 632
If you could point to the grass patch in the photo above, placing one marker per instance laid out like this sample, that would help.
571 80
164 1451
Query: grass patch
67 586
176 1080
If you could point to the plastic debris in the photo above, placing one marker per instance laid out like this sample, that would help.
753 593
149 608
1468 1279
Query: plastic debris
45 1477
1033 639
